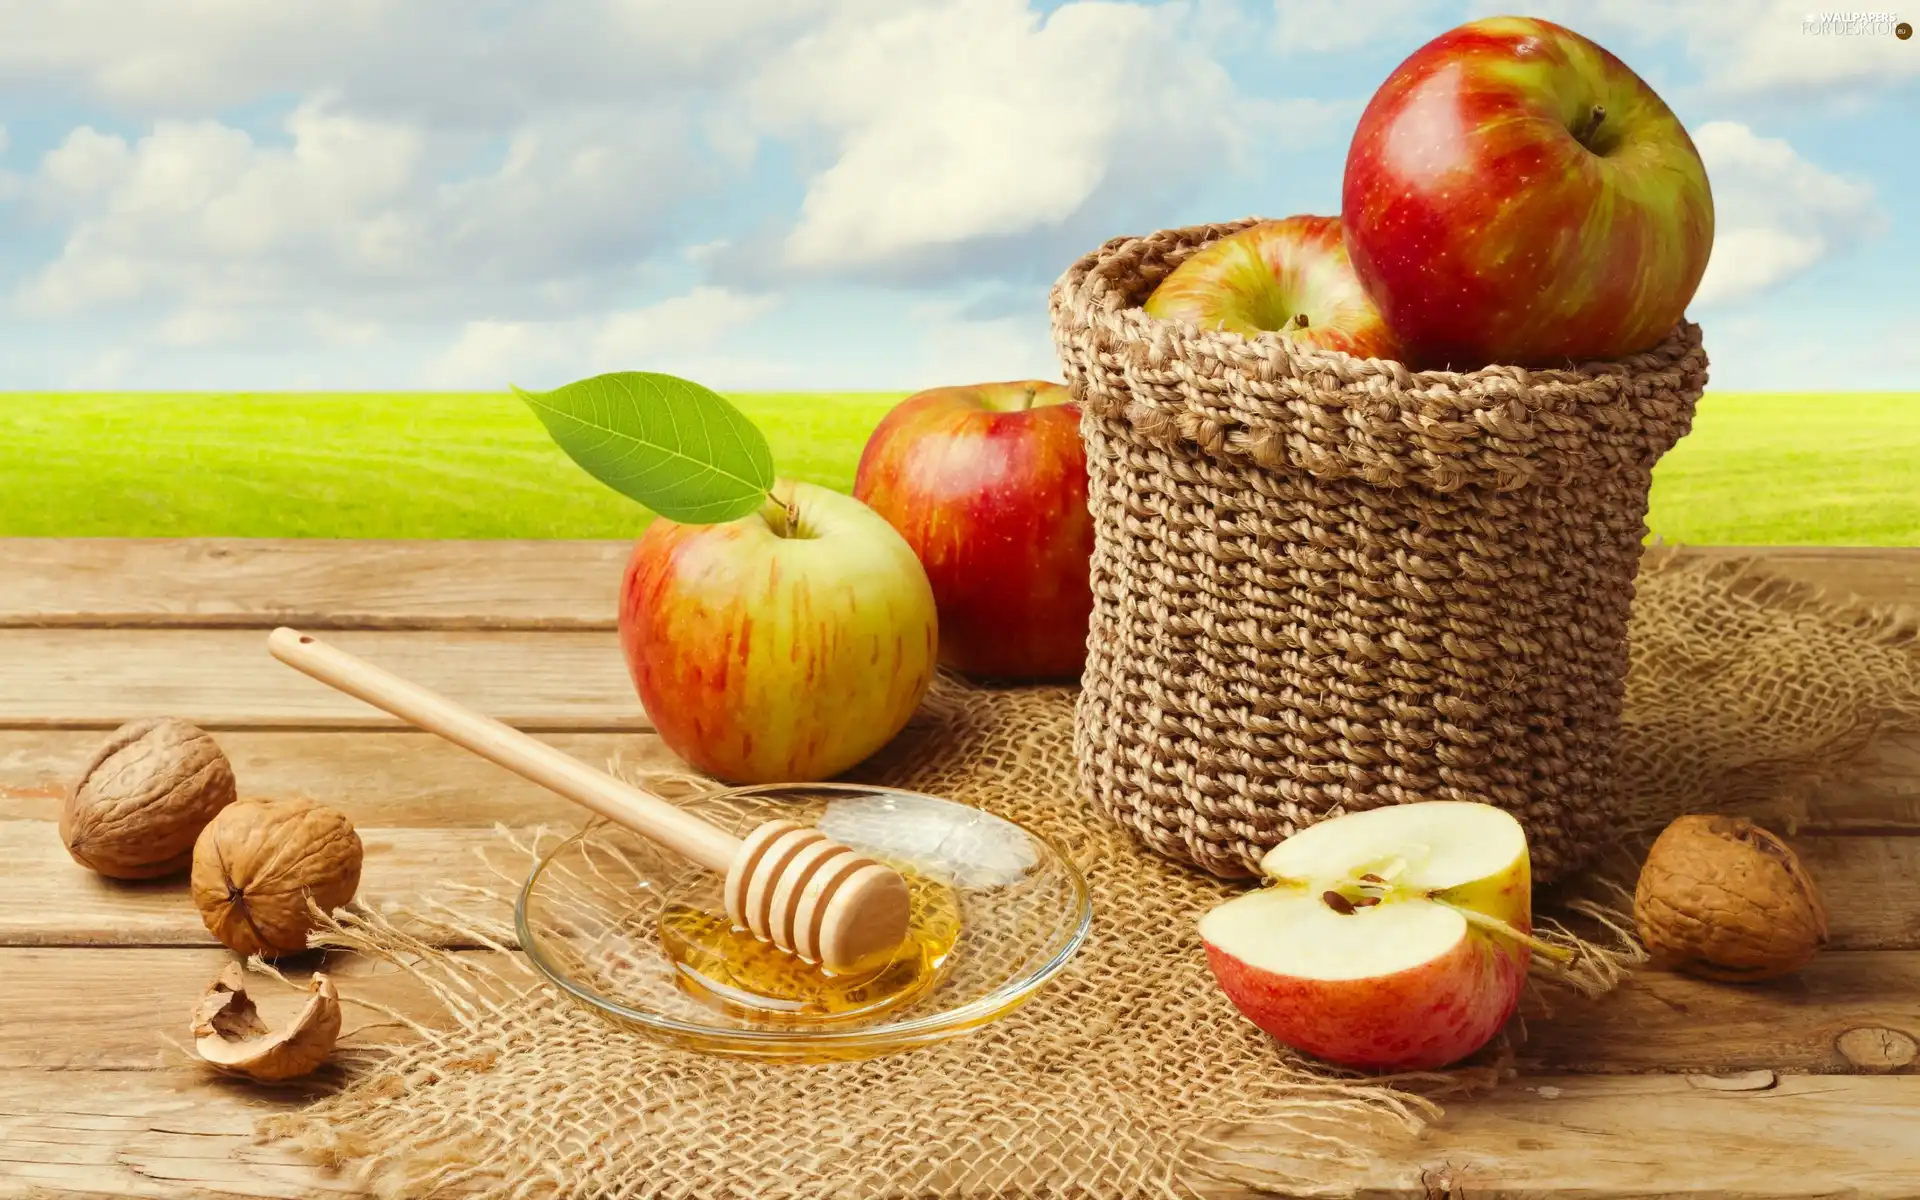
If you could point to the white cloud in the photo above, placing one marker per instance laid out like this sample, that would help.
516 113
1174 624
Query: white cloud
356 207
201 327
1775 213
443 61
1748 49
953 349
1323 26
673 335
976 121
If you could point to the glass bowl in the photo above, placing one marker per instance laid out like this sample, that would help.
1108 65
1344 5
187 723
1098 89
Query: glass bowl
590 919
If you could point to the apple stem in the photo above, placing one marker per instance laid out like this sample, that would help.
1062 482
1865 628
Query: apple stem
780 516
1591 126
1496 925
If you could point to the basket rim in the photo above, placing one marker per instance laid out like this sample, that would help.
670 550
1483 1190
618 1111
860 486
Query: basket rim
1281 404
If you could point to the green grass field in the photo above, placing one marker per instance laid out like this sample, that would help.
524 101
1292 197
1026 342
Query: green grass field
1758 468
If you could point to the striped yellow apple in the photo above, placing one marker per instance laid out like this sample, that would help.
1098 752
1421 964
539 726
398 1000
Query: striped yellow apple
1290 277
786 645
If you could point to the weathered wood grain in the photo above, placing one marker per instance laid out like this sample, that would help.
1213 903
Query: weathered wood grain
1848 1012
530 584
224 678
47 899
1882 575
75 1009
1845 1012
325 583
402 778
1647 1136
178 1133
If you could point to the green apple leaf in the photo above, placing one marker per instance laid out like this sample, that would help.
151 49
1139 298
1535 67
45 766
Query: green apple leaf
676 447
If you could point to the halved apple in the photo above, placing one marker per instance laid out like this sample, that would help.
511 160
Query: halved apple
1392 938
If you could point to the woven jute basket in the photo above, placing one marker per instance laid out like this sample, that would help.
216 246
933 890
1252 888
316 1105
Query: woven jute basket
1324 583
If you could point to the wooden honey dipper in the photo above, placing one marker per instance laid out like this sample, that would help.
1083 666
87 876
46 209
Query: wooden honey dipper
786 883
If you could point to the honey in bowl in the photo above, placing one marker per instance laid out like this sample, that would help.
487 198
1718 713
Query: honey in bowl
731 970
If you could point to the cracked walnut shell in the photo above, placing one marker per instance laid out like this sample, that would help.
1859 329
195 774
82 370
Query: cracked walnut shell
229 1034
259 863
143 797
1721 898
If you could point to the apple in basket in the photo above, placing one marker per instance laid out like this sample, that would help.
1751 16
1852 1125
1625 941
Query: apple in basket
988 484
1516 194
1393 938
1289 276
787 644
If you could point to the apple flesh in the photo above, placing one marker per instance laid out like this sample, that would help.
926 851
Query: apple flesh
1382 941
1516 194
1290 277
785 646
988 484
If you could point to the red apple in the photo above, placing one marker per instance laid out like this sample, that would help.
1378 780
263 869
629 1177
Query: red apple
1289 277
1516 194
1389 938
785 646
988 484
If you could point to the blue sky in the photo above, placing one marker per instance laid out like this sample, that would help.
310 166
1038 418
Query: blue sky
812 194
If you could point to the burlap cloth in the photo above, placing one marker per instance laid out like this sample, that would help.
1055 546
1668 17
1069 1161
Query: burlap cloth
1118 1077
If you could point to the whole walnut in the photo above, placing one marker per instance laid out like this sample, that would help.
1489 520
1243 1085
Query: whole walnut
1721 898
143 798
260 861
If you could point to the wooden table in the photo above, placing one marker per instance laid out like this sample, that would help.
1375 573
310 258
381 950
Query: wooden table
94 978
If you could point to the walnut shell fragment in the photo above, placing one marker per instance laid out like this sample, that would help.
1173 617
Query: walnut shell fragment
229 1034
143 797
259 863
1721 898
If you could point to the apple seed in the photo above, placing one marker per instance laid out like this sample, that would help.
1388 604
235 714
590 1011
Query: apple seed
1338 903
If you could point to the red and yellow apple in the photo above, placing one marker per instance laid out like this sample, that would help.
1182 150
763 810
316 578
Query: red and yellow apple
1516 194
988 484
1290 276
1392 938
784 646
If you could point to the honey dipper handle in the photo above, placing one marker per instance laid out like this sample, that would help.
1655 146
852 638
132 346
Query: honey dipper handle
621 803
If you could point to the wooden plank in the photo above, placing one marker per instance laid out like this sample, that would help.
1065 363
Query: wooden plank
47 899
1847 1012
403 778
1640 1136
173 582
497 584
180 1133
1868 884
163 1134
224 678
1885 575
94 1009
